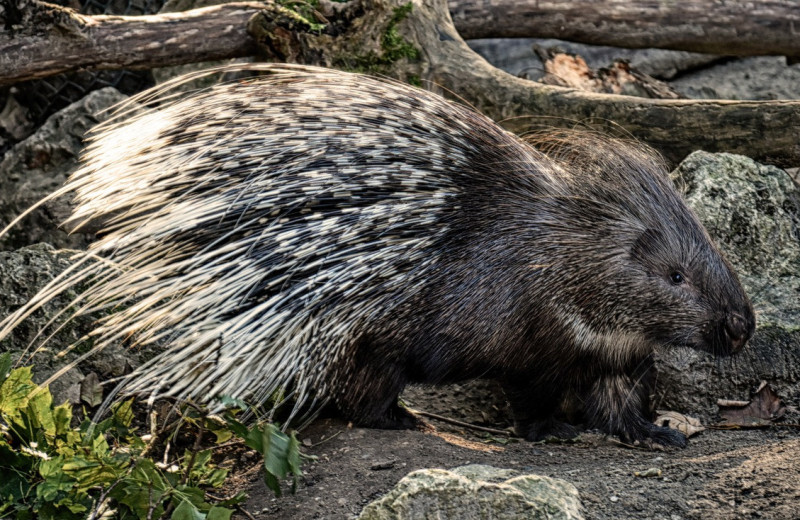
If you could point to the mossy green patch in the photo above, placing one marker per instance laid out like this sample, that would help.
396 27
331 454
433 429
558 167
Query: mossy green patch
394 47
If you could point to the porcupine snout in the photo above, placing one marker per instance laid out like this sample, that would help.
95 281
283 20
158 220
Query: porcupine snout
739 329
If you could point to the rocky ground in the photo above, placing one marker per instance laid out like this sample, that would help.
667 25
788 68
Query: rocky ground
722 474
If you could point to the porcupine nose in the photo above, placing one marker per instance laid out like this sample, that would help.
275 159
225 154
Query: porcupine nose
739 330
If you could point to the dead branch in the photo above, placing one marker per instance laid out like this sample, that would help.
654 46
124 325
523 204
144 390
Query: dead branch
71 41
761 27
768 131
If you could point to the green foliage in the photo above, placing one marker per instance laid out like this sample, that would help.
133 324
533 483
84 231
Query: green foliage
394 45
304 12
281 452
53 470
393 48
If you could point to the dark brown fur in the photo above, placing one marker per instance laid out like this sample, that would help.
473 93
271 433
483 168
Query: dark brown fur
558 281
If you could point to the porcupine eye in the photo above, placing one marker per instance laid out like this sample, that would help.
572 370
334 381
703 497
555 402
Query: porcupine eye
676 278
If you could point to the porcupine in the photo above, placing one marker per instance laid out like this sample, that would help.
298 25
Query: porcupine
330 237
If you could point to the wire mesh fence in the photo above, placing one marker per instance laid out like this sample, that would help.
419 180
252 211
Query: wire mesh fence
46 96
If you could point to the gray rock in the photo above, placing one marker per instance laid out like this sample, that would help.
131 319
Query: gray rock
516 56
40 164
22 274
753 213
15 121
762 77
476 491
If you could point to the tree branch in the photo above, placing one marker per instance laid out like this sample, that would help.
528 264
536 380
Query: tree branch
768 131
760 27
73 41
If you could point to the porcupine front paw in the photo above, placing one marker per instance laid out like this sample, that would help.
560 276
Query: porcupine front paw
618 406
652 435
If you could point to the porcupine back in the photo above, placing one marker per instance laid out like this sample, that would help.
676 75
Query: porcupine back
256 227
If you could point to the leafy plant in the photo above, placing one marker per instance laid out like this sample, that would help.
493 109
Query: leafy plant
52 470
281 452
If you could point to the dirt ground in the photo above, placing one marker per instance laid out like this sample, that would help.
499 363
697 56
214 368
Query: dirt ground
722 474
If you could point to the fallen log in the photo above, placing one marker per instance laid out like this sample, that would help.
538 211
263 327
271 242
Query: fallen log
760 27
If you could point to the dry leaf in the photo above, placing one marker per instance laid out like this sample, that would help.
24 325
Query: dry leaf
764 408
677 421
91 390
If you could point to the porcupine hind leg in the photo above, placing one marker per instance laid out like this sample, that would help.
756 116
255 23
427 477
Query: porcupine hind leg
374 382
618 403
535 409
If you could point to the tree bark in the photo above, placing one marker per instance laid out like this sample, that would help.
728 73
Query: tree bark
73 41
743 28
768 131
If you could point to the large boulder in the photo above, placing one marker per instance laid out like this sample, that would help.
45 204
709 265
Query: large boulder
39 165
753 212
476 492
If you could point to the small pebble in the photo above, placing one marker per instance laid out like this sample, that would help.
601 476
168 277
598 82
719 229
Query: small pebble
648 473
614 498
389 464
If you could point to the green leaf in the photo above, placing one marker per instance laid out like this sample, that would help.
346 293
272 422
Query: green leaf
275 451
14 487
61 470
187 511
238 428
117 424
146 472
231 402
24 514
219 513
293 459
219 428
201 459
76 508
15 390
51 468
123 413
272 483
138 498
100 445
193 494
216 478
62 415
56 481
40 412
93 473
